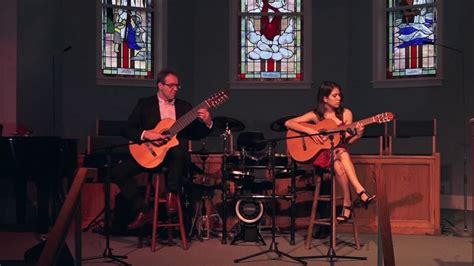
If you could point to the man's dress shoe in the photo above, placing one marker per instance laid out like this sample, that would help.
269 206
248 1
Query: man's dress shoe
142 218
171 202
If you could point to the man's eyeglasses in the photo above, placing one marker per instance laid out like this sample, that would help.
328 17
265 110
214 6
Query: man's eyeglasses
172 86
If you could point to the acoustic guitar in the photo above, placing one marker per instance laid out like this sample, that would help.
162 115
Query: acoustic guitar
151 154
303 148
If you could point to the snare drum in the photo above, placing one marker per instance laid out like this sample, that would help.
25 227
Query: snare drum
238 174
240 180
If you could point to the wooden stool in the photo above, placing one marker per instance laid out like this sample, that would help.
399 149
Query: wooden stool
325 175
156 224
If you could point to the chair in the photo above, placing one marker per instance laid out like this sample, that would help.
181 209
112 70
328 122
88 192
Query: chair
156 199
323 175
405 137
372 132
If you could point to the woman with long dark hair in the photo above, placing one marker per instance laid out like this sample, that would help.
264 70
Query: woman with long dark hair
329 106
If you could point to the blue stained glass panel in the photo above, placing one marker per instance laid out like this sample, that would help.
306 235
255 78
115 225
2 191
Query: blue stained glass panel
411 33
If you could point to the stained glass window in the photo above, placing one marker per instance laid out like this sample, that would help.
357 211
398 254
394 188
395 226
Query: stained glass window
411 34
127 38
271 40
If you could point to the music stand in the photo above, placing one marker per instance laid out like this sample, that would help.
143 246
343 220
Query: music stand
331 255
107 254
273 245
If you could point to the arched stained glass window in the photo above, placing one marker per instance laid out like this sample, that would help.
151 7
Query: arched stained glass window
271 40
128 39
411 33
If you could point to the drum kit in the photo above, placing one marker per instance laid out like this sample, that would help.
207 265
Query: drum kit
239 168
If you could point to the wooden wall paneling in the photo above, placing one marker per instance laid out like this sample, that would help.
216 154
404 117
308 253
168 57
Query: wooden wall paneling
412 184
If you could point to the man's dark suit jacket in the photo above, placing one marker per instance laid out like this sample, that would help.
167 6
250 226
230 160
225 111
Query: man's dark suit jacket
146 115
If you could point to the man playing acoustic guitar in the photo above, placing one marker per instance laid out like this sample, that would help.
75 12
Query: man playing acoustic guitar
141 128
329 109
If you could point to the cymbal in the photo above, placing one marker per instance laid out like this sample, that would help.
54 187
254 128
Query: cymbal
251 141
279 124
222 122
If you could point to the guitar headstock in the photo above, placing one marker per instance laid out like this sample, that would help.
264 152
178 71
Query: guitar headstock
218 98
384 117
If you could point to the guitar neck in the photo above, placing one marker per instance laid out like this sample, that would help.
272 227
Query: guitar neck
186 119
364 122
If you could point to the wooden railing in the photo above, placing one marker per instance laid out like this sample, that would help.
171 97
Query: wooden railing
70 211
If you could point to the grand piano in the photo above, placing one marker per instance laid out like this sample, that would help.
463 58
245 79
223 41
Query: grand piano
43 160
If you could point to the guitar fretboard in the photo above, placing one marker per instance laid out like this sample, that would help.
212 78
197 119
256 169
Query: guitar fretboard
186 119
364 122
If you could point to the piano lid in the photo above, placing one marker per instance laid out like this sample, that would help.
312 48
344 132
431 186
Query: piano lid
37 156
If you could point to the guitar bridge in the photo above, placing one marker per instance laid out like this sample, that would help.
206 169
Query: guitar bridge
150 149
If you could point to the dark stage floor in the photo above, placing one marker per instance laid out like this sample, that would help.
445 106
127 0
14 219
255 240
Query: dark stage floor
444 250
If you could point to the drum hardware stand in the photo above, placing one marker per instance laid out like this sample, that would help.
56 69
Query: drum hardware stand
250 224
273 245
205 222
331 255
241 234
200 220
200 217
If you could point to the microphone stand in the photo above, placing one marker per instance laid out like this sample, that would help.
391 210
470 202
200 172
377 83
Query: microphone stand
55 92
465 232
227 133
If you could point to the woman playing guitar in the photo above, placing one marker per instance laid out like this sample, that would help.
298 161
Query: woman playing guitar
329 107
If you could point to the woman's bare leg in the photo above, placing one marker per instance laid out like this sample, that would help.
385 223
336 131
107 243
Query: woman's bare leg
344 157
343 182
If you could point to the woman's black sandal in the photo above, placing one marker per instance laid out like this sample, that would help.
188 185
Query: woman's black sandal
370 198
343 218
